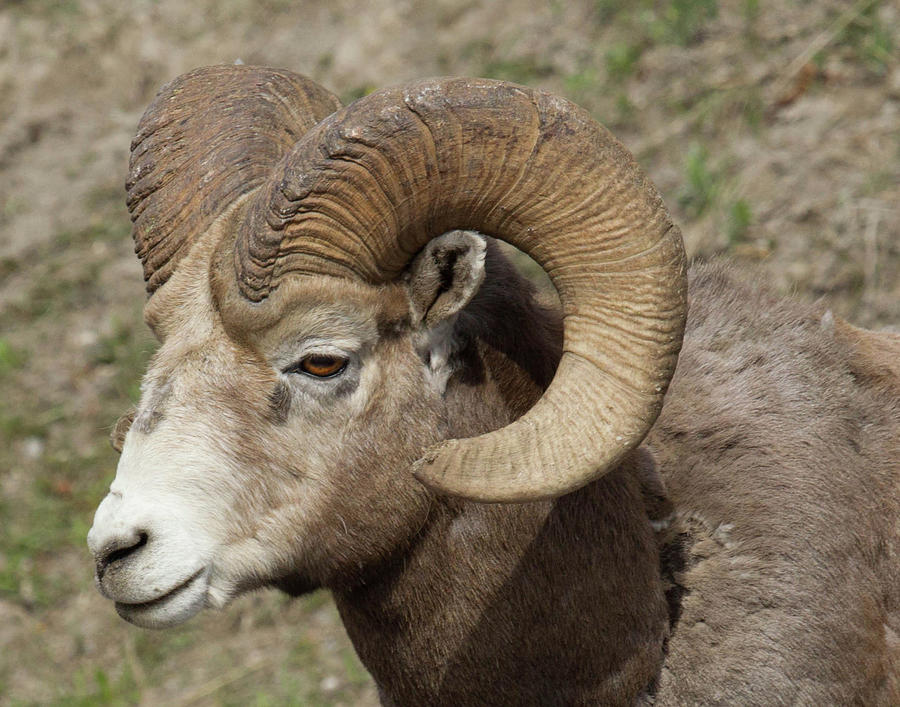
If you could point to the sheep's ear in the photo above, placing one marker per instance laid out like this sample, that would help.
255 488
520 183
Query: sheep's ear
123 424
444 277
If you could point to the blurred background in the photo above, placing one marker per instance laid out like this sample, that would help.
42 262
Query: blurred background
772 128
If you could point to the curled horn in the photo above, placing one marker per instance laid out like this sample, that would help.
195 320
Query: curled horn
209 137
364 190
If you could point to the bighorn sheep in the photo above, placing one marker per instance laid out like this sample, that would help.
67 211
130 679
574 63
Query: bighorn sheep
340 401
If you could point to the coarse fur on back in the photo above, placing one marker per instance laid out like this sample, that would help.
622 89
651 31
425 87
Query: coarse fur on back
780 447
323 349
777 534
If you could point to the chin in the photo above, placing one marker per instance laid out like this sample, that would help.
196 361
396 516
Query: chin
176 607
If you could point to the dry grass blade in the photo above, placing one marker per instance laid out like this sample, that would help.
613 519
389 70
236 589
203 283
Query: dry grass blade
229 677
822 40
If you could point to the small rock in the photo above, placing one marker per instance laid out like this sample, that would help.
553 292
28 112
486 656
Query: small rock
329 683
33 447
86 337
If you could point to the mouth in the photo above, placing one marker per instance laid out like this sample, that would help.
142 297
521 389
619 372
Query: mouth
174 607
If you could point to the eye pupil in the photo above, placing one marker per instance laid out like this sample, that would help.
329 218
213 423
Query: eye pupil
322 366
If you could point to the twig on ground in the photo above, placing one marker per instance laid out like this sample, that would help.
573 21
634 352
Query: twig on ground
826 37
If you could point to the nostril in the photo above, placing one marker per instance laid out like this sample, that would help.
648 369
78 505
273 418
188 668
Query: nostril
119 552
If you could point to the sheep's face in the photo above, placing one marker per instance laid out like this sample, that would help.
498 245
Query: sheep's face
278 456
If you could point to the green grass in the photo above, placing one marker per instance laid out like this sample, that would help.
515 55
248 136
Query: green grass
527 70
10 358
55 516
679 22
129 350
96 687
12 206
706 188
53 512
701 182
66 277
70 463
356 92
740 217
750 10
8 266
582 86
154 648
495 62
621 61
871 40
683 21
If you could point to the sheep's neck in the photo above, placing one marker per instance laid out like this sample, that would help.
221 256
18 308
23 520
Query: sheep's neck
538 603
520 604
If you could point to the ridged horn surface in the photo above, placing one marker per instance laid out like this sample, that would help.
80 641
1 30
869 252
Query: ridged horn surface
364 190
209 137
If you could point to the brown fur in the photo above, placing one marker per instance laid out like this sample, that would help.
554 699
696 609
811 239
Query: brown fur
487 589
773 579
780 456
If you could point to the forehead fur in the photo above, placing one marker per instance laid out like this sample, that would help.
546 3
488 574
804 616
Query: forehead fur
329 308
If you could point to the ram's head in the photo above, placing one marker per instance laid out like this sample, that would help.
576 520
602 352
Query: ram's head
296 400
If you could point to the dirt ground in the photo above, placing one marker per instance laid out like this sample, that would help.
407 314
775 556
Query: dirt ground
772 128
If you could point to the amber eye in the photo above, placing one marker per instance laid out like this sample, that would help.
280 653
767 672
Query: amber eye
322 365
